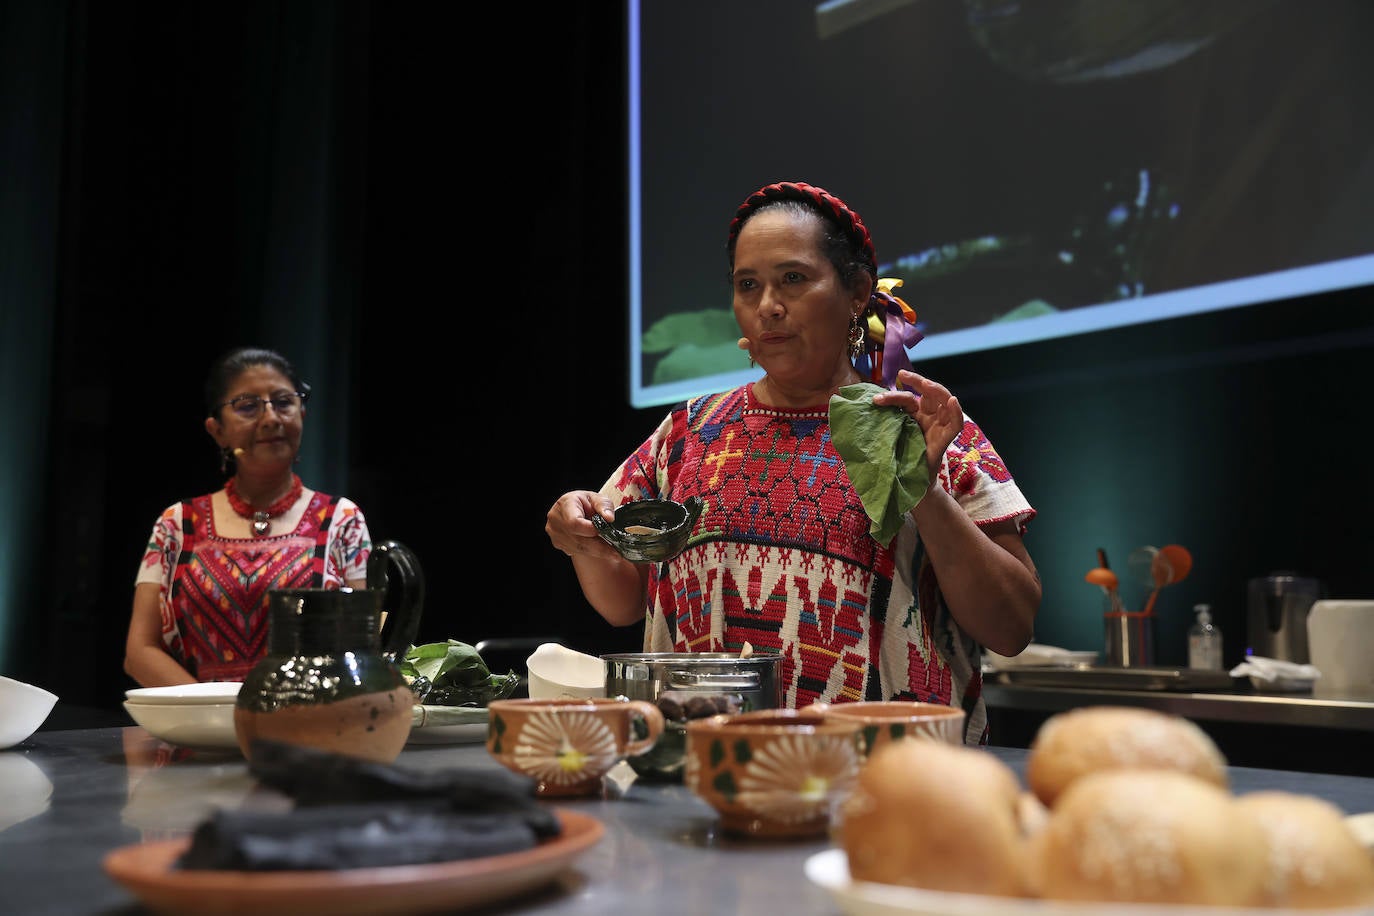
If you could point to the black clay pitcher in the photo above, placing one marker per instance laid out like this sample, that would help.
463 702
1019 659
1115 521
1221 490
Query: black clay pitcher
329 680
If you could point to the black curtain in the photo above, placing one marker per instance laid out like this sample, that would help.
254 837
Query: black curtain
351 183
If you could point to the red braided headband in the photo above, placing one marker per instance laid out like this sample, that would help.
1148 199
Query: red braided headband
797 190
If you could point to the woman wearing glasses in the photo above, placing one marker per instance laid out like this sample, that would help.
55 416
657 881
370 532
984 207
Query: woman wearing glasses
200 598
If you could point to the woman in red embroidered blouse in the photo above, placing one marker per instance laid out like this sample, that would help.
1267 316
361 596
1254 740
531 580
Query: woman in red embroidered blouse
783 556
200 597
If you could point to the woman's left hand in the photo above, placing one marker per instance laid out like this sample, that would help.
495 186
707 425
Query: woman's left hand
932 406
986 575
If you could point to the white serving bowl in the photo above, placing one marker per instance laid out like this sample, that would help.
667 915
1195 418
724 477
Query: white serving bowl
194 725
23 708
211 693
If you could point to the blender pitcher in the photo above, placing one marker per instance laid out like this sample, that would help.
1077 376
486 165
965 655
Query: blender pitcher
1276 621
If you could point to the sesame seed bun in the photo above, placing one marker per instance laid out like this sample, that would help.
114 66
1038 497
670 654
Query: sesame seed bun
1089 739
1315 860
936 816
1149 836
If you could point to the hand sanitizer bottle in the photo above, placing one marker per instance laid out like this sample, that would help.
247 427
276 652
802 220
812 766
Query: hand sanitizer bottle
1204 641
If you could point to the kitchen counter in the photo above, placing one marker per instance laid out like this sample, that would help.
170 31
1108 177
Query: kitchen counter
1253 728
661 849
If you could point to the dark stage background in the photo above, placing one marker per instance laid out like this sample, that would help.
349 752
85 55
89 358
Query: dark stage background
421 204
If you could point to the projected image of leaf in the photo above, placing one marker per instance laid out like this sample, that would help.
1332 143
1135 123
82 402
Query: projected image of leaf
703 329
694 344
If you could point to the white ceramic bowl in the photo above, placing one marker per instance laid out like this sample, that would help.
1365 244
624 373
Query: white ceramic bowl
23 708
195 725
211 693
556 671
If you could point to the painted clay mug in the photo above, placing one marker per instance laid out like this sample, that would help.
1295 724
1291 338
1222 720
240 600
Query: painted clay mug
568 744
884 721
773 772
329 680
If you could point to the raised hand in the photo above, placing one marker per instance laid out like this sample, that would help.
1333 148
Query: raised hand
932 406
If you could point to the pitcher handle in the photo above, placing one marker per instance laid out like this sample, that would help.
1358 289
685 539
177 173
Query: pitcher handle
403 621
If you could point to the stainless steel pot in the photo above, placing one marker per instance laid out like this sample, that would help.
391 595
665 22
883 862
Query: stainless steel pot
752 683
756 681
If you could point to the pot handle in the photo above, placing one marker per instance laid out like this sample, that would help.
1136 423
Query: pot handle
745 680
402 622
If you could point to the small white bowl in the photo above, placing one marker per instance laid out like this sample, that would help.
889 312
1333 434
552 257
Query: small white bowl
210 693
23 708
555 671
196 725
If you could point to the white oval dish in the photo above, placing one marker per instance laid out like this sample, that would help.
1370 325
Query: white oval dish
194 725
830 870
208 693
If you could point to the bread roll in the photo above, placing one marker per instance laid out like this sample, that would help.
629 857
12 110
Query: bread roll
1149 836
1072 744
1315 860
935 816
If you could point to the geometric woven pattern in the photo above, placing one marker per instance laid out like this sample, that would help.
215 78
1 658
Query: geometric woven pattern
214 607
782 558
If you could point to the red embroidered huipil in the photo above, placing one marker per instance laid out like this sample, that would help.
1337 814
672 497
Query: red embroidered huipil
782 558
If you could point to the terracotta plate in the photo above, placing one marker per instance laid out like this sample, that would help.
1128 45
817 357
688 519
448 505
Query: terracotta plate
146 870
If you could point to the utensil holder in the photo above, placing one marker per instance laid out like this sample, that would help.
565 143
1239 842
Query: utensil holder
1130 638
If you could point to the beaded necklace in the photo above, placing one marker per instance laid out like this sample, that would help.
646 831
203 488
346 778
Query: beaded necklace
262 518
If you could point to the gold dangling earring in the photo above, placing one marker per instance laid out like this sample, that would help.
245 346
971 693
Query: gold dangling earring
743 344
856 336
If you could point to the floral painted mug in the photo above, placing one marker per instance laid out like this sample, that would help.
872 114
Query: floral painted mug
884 721
568 744
773 772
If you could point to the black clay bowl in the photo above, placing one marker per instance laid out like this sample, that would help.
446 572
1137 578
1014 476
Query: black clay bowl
650 530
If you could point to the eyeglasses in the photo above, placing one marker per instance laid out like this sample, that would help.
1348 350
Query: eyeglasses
250 406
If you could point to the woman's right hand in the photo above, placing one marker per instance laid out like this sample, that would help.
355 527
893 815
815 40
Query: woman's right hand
570 528
611 584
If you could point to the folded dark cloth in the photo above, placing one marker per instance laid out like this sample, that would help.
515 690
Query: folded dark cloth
313 777
354 813
350 836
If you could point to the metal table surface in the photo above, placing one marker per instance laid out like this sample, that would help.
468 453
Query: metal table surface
661 851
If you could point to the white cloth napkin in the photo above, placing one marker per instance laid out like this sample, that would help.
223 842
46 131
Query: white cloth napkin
1276 673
